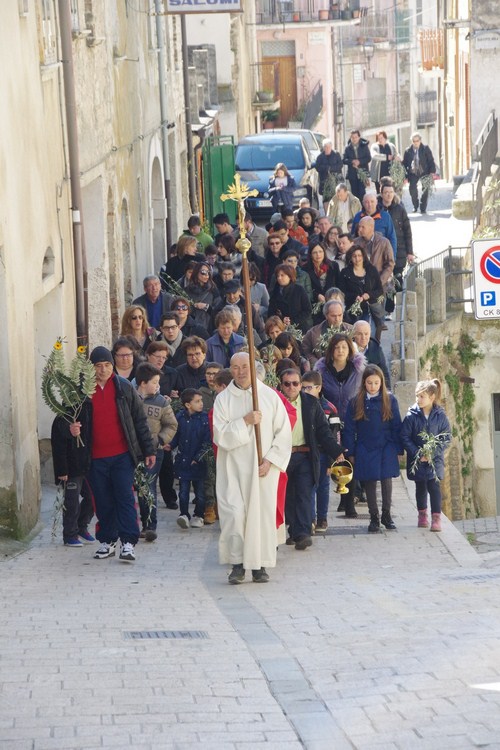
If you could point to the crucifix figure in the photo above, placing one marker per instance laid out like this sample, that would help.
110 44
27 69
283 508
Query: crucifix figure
238 191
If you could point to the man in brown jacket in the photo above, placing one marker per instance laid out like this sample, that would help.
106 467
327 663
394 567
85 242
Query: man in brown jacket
378 249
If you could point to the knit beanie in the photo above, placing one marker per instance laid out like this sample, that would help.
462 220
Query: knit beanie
101 354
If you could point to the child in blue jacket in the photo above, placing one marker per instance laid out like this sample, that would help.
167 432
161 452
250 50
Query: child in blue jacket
191 440
426 467
372 436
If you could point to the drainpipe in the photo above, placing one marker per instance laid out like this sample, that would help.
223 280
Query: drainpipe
74 172
187 108
164 117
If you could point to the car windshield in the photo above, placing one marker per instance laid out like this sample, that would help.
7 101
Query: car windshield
263 158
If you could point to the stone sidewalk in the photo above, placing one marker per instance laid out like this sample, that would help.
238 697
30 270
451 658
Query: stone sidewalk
388 641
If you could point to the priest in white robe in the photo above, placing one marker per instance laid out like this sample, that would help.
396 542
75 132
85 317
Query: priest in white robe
247 492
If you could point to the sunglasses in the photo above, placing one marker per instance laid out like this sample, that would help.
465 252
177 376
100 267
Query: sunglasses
136 317
204 273
288 383
181 307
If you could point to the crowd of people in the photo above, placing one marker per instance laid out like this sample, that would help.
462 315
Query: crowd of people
174 393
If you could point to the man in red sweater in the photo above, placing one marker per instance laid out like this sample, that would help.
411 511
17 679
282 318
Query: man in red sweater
120 439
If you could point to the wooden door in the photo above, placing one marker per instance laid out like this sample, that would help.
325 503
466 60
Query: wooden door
287 86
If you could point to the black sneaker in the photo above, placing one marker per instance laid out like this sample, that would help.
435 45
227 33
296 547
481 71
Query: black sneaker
150 535
260 576
388 522
303 543
172 506
127 553
374 526
237 575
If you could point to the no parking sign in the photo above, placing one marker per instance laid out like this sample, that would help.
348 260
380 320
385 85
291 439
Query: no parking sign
486 274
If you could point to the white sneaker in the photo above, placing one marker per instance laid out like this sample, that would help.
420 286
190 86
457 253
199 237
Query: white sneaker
127 552
105 550
197 522
183 522
388 316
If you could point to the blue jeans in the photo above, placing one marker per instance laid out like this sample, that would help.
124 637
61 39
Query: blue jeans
300 484
321 493
111 481
149 518
199 497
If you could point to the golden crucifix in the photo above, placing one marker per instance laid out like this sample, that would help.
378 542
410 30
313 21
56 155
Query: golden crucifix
238 191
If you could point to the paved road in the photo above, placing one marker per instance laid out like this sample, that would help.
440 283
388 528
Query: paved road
437 229
388 641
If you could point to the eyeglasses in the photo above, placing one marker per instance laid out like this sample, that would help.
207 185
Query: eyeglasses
124 355
169 328
194 354
181 307
136 317
288 383
309 387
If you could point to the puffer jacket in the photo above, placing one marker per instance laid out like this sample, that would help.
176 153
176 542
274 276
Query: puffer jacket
133 420
161 419
402 227
414 423
341 393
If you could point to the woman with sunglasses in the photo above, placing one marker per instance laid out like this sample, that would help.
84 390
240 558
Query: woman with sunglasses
187 324
204 295
135 323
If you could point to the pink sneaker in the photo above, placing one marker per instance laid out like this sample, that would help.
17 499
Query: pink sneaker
423 519
436 522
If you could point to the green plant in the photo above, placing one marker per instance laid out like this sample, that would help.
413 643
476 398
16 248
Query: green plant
270 115
467 351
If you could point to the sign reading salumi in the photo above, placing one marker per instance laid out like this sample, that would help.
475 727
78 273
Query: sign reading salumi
203 6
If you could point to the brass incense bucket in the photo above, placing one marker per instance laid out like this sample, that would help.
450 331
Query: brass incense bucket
342 474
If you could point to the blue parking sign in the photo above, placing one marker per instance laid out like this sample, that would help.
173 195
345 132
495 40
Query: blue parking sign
488 299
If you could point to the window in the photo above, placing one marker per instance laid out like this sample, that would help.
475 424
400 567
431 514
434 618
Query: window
49 31
75 21
23 7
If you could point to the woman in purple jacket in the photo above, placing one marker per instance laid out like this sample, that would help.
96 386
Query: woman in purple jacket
342 369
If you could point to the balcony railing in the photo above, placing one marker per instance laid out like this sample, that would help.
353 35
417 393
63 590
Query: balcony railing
302 11
367 113
431 48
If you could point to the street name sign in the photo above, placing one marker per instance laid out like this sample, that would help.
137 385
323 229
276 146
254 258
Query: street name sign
486 276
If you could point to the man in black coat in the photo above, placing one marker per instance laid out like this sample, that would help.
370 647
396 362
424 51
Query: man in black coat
418 162
329 162
357 156
310 434
394 206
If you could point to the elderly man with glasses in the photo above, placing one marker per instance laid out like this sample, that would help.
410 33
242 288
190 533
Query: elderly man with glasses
311 433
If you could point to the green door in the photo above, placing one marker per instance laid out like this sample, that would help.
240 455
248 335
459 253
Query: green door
218 174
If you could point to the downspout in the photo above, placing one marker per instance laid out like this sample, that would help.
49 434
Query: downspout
187 108
80 260
164 117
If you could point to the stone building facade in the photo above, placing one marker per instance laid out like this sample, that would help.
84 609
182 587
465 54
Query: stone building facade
123 211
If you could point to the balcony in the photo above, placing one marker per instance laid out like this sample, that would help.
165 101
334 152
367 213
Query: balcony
367 113
431 49
269 12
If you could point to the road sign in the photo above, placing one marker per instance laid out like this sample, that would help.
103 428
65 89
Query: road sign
486 274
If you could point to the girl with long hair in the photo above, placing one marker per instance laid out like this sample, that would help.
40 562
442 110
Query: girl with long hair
372 437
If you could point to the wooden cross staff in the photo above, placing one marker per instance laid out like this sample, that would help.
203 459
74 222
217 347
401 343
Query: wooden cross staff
238 191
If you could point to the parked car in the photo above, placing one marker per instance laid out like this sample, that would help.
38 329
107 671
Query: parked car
312 142
256 158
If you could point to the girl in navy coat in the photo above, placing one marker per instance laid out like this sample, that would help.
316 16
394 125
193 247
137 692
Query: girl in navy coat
424 466
372 437
192 439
